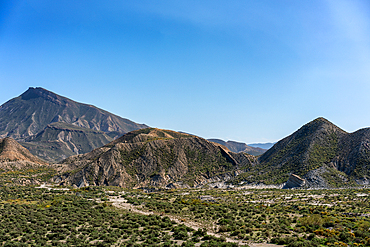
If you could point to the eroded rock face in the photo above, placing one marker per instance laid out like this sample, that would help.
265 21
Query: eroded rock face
11 151
294 181
17 159
315 179
60 140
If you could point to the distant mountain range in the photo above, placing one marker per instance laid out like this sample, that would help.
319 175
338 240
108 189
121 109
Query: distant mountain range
54 127
266 146
239 147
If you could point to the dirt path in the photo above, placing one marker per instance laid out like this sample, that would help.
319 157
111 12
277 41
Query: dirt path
122 203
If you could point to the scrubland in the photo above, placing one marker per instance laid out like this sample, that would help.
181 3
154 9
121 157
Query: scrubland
111 216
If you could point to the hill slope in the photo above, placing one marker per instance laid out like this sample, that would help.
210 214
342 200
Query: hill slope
353 156
154 157
18 166
31 112
11 150
237 147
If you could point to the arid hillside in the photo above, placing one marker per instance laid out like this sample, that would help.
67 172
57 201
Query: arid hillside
154 157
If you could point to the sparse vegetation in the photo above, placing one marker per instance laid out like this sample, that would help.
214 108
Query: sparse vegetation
41 217
287 217
28 174
324 151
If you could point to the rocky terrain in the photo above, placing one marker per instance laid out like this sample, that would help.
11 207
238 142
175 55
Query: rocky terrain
294 181
237 147
353 156
154 157
47 124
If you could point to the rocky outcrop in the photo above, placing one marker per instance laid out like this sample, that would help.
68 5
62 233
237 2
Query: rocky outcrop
315 178
294 181
153 158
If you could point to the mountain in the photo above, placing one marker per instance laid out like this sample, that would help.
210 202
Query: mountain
237 147
154 157
31 112
265 146
319 152
60 140
54 127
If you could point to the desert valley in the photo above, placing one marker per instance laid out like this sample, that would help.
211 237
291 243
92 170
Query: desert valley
72 174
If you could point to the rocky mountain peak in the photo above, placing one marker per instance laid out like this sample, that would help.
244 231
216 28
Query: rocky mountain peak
318 125
320 153
39 92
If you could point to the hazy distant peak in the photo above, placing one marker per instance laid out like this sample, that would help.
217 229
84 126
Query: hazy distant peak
266 145
239 147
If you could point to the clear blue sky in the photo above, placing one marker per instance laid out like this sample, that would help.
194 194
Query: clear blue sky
250 71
